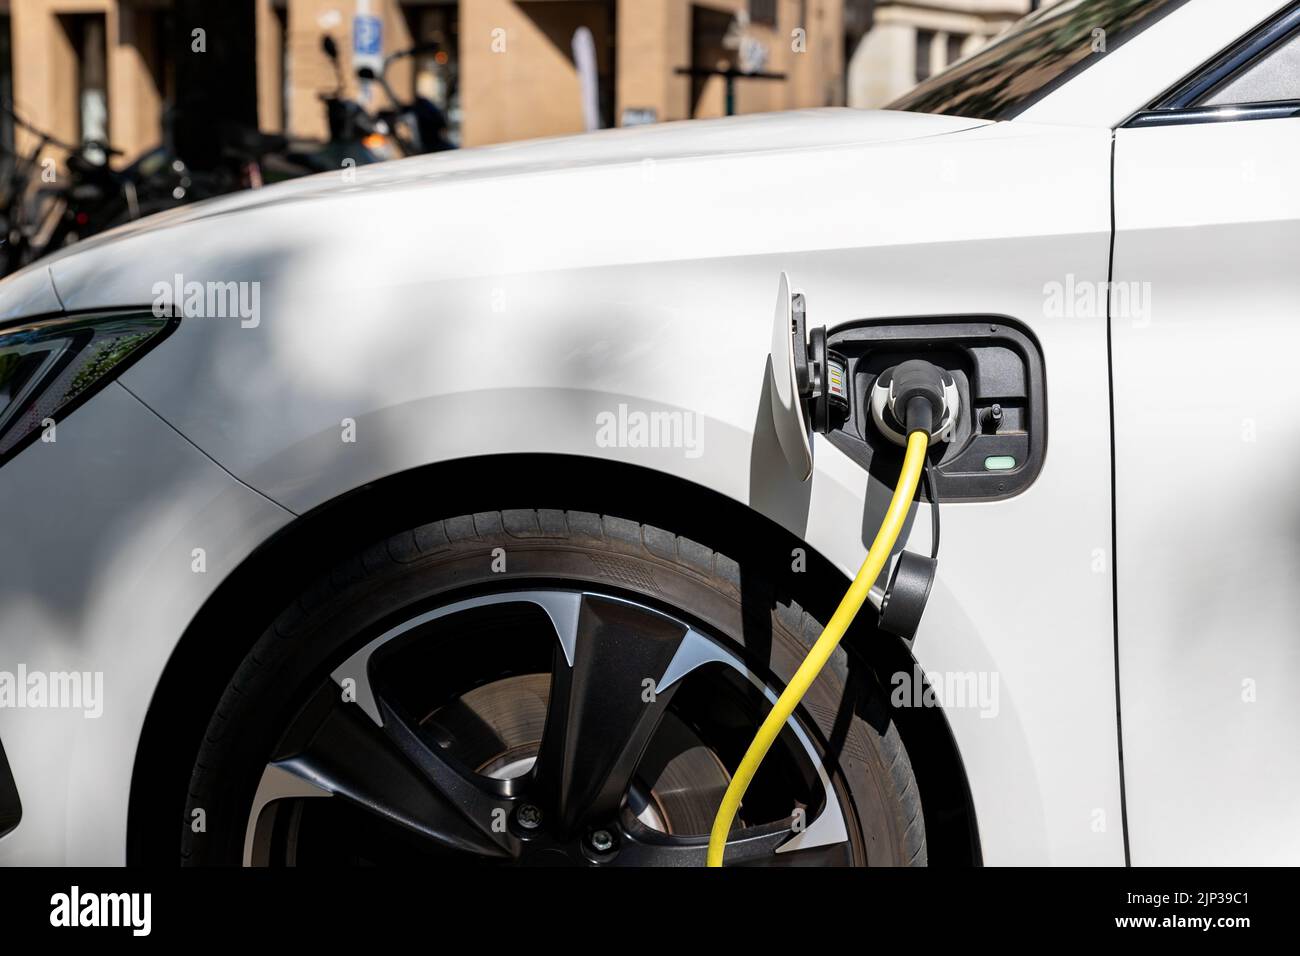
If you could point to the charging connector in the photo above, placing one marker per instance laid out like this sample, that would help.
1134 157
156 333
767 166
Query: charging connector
929 401
913 403
915 395
917 401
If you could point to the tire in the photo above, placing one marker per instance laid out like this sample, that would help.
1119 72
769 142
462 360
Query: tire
428 565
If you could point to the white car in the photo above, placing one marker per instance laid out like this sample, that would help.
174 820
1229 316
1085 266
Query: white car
454 509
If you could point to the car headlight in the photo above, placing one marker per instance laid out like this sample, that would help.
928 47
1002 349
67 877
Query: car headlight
48 368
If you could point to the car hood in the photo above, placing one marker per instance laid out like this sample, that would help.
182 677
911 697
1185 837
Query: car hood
401 202
732 136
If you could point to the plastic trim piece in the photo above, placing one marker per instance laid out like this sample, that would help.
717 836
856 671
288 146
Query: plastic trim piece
1179 105
80 324
1215 114
11 808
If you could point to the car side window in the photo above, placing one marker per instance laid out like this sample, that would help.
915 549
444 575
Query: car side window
1273 78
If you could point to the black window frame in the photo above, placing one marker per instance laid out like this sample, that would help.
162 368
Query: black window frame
763 12
1178 106
951 57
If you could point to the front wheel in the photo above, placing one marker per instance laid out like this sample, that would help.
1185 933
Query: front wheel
542 688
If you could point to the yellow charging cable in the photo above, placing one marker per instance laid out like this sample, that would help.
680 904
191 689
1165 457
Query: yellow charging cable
890 528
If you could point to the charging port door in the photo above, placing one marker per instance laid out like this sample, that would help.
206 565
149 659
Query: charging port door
787 379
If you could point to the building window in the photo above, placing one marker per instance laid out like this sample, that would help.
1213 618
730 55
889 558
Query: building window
86 38
924 46
763 11
955 43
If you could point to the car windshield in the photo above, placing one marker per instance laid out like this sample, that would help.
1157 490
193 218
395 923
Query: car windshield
1034 57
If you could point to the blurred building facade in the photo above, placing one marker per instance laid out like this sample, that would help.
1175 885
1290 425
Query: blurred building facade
903 42
509 70
501 69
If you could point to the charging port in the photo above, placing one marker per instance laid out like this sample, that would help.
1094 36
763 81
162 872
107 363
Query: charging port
993 444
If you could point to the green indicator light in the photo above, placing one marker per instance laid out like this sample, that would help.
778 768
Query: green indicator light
999 463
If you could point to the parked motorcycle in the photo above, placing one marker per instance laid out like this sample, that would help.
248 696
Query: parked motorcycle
425 123
405 128
354 134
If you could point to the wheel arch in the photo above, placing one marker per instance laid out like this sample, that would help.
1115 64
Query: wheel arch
247 601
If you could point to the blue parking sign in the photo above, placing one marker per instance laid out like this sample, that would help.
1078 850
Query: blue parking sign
367 35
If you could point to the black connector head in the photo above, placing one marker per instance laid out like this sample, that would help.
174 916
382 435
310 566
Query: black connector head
918 390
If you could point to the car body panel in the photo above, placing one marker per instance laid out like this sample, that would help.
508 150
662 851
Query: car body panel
28 293
1207 448
97 575
442 317
312 196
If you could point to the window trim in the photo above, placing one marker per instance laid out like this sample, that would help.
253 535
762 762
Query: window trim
1177 105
